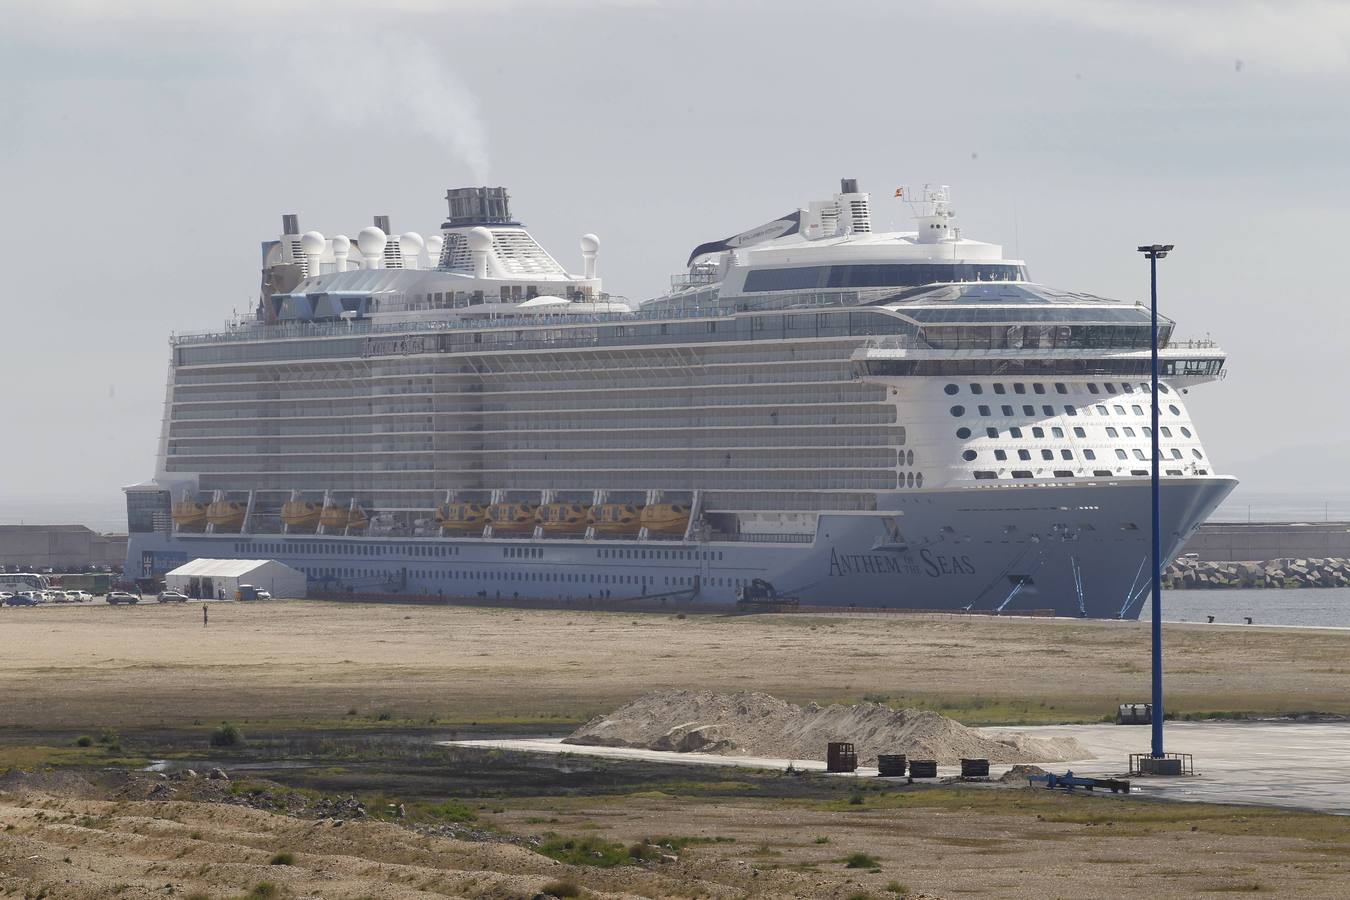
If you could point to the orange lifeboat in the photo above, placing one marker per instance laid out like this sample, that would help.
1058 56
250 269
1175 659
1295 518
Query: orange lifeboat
563 518
461 517
189 515
512 518
615 518
300 514
226 515
339 517
665 518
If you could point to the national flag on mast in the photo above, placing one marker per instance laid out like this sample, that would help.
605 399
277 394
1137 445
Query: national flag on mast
899 192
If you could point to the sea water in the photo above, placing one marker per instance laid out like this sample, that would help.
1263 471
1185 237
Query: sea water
1314 607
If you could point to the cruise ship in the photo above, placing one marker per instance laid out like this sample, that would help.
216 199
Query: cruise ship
815 410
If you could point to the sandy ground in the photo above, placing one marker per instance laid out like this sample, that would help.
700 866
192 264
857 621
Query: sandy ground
83 666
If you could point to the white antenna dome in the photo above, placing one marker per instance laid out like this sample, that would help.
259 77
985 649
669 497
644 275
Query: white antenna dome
480 239
371 241
311 243
342 245
410 244
434 245
590 243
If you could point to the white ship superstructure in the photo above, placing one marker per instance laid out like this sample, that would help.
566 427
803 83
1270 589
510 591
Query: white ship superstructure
856 417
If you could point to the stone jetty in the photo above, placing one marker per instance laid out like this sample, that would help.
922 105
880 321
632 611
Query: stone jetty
1270 573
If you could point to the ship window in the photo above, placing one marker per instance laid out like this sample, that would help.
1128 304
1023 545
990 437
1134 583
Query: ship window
1176 454
1102 410
1175 412
1162 388
1070 410
1110 388
1066 454
1038 432
1148 432
1024 454
1129 432
969 455
918 480
1000 455
1038 388
1137 410
1129 388
958 411
1120 410
1047 454
1021 473
986 476
1063 473
1019 388
991 432
1197 453
976 389
998 388
1060 388
910 458
984 410
1048 410
1121 454
1079 432
1028 409
1056 431
1166 432
1089 454
963 432
1007 410
1139 454
951 389
1014 432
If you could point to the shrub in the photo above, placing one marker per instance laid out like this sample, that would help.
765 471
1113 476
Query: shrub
896 887
84 740
227 735
283 858
263 889
860 861
109 736
585 851
822 840
855 799
451 811
561 888
384 715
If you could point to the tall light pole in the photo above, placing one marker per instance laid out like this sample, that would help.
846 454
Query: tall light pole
1153 253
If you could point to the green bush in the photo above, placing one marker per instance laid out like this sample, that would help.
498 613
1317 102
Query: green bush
561 888
84 740
227 735
860 861
896 887
584 851
283 858
451 811
109 736
263 889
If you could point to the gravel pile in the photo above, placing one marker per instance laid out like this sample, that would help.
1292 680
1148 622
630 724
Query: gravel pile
749 723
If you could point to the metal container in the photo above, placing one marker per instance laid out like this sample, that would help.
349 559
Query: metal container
840 757
923 768
974 768
891 765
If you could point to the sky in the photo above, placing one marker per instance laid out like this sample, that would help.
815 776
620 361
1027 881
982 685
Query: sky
147 148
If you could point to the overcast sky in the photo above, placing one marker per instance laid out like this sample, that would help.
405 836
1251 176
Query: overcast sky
148 147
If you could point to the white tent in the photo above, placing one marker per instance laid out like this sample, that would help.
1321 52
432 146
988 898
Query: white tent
221 578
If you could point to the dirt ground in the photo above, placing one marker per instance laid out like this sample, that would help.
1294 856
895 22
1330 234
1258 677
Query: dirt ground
308 661
360 692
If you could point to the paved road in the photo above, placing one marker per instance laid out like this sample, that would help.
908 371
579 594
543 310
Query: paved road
1285 764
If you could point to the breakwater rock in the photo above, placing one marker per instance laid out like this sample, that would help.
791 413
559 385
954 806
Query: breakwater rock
1269 573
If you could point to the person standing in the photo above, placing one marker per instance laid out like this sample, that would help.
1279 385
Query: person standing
203 615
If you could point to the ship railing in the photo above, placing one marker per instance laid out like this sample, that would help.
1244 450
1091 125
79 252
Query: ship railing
763 537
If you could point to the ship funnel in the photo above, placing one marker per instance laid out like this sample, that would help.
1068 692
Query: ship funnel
371 243
855 207
382 223
480 242
342 248
435 243
410 246
312 244
590 246
290 224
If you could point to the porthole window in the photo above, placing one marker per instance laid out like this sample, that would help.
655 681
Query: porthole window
1000 455
1197 454
1175 411
1024 454
1089 454
1047 454
1019 388
963 432
984 410
976 389
910 479
918 480
1163 389
1079 432
951 389
1015 432
959 411
909 458
1092 388
969 455
998 388
1185 431
1166 432
1038 388
1060 388
991 432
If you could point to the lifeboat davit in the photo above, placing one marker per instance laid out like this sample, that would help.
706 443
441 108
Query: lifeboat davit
512 517
226 515
189 515
300 514
563 518
665 518
615 518
459 517
339 517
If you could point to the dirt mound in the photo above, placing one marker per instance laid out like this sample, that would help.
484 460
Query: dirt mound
753 724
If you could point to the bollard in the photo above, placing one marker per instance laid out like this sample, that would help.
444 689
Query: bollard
1211 619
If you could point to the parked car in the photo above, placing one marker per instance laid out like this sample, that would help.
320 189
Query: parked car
56 596
5 595
261 594
23 598
80 596
171 597
115 597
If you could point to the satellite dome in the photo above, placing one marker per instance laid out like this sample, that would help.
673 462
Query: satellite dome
371 241
434 244
342 245
311 243
479 239
410 243
590 243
